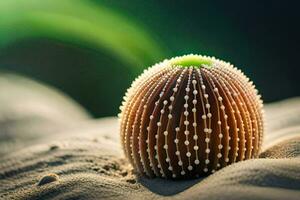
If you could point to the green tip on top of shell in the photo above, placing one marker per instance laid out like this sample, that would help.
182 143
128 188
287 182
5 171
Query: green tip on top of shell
191 61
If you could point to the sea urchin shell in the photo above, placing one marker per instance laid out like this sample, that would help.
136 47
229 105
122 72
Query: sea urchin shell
190 116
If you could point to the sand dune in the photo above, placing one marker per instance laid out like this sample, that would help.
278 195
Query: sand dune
60 156
30 110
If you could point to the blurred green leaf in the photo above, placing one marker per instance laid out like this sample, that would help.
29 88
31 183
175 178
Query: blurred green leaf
80 22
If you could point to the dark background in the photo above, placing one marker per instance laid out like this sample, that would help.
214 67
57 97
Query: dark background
259 37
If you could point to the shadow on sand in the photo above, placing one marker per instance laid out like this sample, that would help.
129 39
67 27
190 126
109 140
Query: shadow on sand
167 187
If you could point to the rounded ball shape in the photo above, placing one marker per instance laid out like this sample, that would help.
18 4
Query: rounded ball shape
190 116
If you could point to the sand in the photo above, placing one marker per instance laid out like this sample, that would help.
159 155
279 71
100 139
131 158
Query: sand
62 153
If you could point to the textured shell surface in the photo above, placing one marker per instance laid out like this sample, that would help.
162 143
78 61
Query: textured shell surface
190 116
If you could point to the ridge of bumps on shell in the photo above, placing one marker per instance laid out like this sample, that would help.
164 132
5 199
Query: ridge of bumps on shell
188 121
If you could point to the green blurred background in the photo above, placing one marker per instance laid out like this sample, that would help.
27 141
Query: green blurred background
93 49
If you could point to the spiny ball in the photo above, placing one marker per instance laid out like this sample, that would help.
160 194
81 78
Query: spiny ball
190 116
